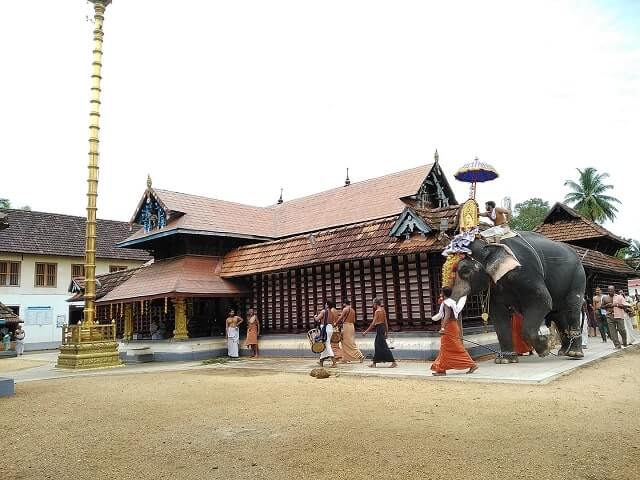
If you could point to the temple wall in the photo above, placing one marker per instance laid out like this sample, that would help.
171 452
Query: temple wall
287 301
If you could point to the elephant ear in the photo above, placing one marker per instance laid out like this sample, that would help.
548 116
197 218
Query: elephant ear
499 260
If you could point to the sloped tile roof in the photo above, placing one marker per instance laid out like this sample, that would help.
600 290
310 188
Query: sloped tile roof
104 283
577 227
187 276
7 314
56 234
364 240
600 261
359 202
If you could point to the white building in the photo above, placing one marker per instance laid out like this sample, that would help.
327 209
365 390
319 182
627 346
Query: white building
39 255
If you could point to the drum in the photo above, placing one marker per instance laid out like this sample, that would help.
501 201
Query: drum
336 336
316 346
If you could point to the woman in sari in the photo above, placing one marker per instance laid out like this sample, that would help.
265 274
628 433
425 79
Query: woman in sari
382 352
233 334
453 355
347 319
326 330
253 330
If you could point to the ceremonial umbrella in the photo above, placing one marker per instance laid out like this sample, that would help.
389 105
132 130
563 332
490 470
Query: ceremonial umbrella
476 172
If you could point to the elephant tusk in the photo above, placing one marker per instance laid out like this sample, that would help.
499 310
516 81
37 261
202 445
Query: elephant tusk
461 303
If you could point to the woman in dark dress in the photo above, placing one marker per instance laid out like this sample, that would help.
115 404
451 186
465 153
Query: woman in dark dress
382 352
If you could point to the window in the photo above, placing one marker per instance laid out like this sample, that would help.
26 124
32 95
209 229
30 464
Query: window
77 270
46 274
116 268
9 274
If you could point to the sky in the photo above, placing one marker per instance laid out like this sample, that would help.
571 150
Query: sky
237 99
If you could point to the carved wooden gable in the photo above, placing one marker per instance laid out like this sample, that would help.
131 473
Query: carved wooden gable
435 191
151 213
408 223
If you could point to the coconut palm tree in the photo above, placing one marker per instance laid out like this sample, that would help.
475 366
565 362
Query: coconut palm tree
588 195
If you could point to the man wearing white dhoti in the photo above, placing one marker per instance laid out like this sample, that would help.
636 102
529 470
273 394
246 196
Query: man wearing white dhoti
233 334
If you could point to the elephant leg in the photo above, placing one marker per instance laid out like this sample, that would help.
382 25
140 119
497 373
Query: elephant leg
534 314
573 319
502 325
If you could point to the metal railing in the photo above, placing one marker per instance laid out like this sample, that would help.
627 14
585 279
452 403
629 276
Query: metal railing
74 334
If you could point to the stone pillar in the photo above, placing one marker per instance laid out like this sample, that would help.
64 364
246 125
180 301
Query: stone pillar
128 322
180 307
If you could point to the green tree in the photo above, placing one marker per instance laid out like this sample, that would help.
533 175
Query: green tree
631 252
6 203
529 214
588 196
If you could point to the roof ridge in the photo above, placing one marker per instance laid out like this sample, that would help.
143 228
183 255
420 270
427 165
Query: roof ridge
594 225
359 182
67 215
274 206
208 198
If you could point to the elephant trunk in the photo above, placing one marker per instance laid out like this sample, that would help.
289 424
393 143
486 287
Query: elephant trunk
461 289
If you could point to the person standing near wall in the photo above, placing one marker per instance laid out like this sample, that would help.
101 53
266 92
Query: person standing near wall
19 336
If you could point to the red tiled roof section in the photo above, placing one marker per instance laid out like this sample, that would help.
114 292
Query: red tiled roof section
7 314
433 216
186 276
600 261
365 240
55 234
104 283
578 227
359 202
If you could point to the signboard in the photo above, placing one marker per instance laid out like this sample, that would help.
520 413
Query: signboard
61 320
39 316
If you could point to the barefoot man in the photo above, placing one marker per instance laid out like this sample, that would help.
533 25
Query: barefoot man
233 334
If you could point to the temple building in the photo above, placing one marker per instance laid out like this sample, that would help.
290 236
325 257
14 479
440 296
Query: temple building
375 238
595 245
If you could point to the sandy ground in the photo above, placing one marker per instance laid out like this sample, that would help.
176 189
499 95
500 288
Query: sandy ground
229 424
18 363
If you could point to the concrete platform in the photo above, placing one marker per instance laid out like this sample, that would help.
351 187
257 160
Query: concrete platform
530 369
407 346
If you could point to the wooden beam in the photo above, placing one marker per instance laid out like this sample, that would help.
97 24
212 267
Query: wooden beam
281 284
307 295
363 292
265 299
352 289
407 289
372 271
333 281
323 271
397 301
259 296
289 302
343 281
420 290
298 280
385 293
273 303
315 289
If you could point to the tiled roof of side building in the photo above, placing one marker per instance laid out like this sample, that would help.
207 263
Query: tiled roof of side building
575 227
360 201
600 261
364 240
43 233
104 283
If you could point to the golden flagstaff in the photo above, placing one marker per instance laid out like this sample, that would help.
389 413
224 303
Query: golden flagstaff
90 345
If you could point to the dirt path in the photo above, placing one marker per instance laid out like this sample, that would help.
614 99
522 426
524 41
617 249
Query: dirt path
241 425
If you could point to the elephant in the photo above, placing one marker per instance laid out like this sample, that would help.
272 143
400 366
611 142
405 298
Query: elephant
545 282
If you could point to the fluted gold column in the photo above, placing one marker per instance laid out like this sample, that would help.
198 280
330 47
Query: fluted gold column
128 322
92 192
181 332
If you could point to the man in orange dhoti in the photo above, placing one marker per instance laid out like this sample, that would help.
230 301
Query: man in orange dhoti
452 354
519 345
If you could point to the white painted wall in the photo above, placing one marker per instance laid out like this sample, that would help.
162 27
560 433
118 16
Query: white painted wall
28 295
